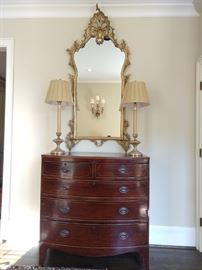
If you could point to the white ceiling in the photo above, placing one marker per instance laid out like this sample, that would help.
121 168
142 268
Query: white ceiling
84 8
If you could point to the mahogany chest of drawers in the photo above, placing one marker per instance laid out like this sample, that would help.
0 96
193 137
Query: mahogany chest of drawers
95 205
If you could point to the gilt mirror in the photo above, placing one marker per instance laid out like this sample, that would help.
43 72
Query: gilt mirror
98 63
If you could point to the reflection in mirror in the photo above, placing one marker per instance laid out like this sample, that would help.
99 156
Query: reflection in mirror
99 79
99 63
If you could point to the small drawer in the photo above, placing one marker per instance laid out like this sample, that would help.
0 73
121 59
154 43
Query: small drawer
122 170
66 169
95 188
62 209
94 235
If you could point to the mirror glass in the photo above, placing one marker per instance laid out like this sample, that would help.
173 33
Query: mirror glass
99 81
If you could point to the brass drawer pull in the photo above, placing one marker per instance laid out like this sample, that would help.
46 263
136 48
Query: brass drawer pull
66 187
123 211
122 170
64 210
64 233
123 236
65 168
123 189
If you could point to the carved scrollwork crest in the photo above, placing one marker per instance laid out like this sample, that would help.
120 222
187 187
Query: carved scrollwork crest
99 27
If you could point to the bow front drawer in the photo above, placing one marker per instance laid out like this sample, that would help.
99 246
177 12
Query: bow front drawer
62 209
122 170
66 169
95 235
90 188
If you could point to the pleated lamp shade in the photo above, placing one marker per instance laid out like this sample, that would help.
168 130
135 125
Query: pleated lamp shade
135 92
59 91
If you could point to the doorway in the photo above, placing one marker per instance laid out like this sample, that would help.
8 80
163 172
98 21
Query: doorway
199 155
7 48
2 113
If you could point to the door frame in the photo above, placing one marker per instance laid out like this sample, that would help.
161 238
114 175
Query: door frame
198 157
7 43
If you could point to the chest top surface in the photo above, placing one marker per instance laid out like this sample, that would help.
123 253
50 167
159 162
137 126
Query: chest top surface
96 157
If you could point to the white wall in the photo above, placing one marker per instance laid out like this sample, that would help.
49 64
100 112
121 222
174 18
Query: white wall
163 54
201 33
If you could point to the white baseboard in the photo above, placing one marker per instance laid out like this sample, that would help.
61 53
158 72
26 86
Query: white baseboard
172 236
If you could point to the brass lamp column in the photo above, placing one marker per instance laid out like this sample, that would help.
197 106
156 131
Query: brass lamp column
135 96
59 93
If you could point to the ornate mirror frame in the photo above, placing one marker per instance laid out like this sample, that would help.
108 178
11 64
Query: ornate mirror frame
100 29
